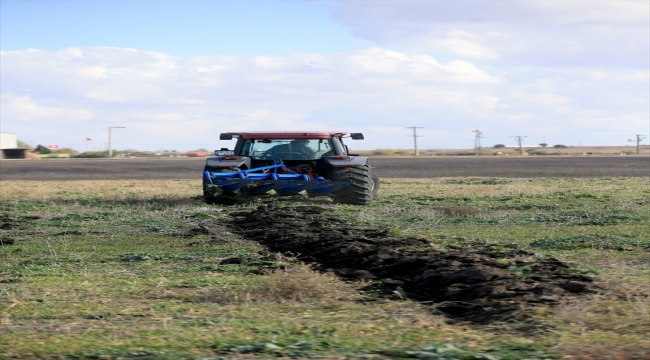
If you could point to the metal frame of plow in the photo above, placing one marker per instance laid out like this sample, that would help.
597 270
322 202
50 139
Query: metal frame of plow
251 182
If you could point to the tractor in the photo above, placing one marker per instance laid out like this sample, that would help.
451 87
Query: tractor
288 163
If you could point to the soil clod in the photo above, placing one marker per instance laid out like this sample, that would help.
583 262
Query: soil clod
6 241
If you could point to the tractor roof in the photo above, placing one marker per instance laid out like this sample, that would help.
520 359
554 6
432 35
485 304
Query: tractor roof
288 134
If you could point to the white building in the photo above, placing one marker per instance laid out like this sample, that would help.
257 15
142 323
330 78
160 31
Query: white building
8 141
9 147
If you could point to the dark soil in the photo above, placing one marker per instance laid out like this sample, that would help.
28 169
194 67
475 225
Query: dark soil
10 225
480 284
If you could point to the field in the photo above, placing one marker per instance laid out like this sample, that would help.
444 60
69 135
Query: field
548 268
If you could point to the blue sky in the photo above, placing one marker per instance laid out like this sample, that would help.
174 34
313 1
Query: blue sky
177 73
179 28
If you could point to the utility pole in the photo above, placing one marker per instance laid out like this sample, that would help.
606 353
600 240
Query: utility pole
638 142
477 142
110 139
520 139
415 137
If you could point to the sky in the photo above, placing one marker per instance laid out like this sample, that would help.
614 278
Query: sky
175 74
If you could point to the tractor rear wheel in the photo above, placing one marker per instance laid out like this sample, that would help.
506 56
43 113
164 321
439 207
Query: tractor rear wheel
362 188
210 197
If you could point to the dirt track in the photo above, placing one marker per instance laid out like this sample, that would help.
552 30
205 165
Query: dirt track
431 167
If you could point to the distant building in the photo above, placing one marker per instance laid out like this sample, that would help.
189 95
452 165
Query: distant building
9 147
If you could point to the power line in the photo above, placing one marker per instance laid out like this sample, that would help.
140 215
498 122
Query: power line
415 138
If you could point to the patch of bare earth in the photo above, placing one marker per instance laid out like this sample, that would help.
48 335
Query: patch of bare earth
478 284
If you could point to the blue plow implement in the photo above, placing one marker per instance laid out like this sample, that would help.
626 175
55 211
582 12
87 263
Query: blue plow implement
261 180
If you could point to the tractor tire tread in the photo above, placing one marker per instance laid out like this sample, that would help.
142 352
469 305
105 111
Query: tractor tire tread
361 190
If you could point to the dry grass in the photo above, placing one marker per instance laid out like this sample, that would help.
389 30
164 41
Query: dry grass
300 284
523 188
604 328
585 351
608 313
294 284
105 189
459 211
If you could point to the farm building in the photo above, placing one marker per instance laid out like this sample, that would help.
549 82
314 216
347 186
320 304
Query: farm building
9 147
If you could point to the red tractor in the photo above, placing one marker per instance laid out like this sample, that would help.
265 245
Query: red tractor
288 163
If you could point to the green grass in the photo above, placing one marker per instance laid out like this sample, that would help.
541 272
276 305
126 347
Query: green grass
107 270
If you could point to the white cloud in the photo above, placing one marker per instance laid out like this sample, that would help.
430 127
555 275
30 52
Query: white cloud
594 33
165 124
259 119
465 44
98 72
185 103
26 109
490 102
544 98
467 72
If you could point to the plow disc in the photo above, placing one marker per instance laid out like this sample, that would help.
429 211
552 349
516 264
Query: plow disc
261 180
281 187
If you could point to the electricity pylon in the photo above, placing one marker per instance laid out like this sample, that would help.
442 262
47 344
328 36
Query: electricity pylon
415 138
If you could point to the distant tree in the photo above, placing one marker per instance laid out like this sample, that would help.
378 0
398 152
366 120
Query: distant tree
42 149
201 150
142 153
543 144
560 146
66 151
23 145
92 154
498 146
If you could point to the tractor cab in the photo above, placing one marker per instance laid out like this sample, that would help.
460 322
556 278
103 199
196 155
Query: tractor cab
286 149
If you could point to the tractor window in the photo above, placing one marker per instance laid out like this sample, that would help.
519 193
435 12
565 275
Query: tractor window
286 149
